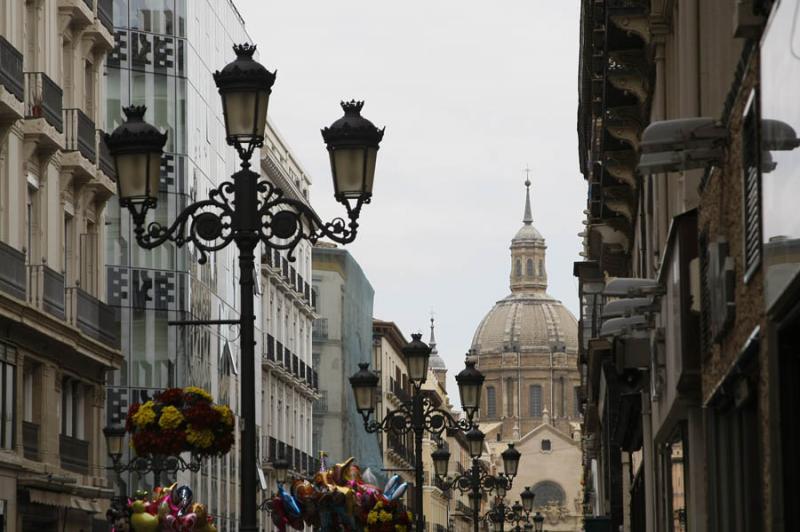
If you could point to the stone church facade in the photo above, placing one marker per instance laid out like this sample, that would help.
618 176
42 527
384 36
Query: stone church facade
527 347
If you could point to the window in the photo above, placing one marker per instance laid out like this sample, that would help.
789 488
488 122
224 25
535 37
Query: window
675 473
536 400
563 387
546 445
72 408
8 411
518 268
32 222
509 397
529 268
576 401
548 492
69 246
491 405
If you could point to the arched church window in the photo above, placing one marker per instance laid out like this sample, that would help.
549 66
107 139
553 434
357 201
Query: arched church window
541 267
491 402
518 268
529 268
536 400
548 492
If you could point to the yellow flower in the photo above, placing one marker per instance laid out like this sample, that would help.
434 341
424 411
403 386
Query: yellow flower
372 518
171 418
385 516
199 438
199 391
225 414
145 415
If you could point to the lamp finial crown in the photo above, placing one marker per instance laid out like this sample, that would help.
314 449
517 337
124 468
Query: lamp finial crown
244 50
416 337
135 113
352 107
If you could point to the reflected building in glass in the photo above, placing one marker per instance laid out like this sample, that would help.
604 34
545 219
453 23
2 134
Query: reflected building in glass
164 56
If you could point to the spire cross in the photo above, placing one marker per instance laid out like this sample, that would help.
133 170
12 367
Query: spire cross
528 217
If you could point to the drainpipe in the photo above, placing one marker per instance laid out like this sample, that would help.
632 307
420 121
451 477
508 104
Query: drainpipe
648 455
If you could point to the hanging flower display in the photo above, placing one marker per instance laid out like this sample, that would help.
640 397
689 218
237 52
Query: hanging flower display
180 420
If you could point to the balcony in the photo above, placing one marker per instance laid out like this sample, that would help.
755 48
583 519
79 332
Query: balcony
80 134
13 274
43 99
12 80
46 290
30 440
105 14
74 454
93 317
105 163
80 12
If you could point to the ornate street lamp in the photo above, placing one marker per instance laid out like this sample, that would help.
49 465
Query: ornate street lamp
417 415
474 481
245 210
470 383
281 467
538 522
511 458
475 438
501 513
527 497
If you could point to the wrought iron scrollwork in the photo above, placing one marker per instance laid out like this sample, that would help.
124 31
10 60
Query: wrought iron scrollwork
211 224
159 463
401 420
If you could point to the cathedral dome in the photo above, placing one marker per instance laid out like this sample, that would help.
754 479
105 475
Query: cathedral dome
524 322
527 319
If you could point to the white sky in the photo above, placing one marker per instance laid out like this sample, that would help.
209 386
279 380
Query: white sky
470 92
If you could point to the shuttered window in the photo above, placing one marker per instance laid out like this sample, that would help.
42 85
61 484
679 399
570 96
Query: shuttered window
751 174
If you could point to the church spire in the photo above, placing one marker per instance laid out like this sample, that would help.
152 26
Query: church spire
528 218
432 341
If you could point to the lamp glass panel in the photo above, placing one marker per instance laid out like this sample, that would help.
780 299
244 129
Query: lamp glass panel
372 156
501 488
153 174
115 443
363 397
245 113
440 465
348 171
475 448
470 395
132 175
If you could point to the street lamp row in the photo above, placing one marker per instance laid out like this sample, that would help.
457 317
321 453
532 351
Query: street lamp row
246 210
419 414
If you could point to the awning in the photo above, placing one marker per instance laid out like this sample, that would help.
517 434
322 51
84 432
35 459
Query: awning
63 500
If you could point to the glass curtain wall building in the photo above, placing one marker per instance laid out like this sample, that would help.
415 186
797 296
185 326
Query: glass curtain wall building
164 55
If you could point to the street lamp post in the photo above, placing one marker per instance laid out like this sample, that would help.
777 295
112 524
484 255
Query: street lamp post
246 211
476 481
418 414
516 514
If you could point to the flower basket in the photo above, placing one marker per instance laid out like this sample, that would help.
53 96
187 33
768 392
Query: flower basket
180 420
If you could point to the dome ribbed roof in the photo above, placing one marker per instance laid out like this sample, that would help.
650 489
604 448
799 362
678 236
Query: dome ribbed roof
528 232
523 322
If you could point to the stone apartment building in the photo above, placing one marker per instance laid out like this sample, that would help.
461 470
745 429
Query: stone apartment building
689 288
58 339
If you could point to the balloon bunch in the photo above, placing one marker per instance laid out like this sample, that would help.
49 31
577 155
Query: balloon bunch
167 509
339 499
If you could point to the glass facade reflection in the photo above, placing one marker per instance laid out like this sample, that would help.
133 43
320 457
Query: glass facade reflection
780 165
165 52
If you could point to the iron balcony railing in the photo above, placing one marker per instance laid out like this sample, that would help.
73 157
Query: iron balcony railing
43 99
105 14
13 274
30 440
46 290
74 454
80 133
104 160
11 76
93 317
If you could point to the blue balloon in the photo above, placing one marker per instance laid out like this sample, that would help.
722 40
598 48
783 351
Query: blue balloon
391 485
397 493
289 502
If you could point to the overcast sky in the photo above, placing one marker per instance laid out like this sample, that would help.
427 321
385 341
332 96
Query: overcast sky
470 93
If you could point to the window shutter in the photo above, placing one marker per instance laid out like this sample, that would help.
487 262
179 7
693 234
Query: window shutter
751 187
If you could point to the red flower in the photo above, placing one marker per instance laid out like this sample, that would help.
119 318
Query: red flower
170 396
202 416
